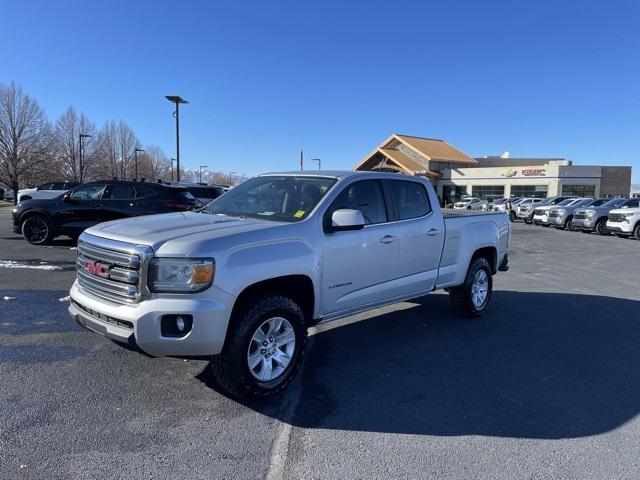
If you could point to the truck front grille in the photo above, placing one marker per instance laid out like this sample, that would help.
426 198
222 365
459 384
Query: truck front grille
115 271
538 211
616 217
580 216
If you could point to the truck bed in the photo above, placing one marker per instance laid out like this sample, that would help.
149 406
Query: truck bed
451 213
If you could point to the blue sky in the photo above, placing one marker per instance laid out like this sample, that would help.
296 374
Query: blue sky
543 78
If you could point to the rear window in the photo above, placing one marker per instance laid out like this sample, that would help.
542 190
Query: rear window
183 195
204 192
411 199
143 191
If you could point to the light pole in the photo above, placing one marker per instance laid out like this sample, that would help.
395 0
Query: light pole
231 174
172 160
80 138
201 167
319 162
177 100
135 154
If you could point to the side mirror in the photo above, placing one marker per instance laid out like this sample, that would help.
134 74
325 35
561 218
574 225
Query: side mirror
346 219
66 198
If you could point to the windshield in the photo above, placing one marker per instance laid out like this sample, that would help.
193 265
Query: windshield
277 198
616 202
583 203
566 202
631 203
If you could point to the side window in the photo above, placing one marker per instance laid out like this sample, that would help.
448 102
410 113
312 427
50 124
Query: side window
121 192
58 186
365 196
411 198
142 191
89 192
46 186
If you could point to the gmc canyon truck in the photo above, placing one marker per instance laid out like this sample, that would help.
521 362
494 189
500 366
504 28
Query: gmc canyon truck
240 280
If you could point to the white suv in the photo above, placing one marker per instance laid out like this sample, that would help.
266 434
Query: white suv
470 203
45 191
625 221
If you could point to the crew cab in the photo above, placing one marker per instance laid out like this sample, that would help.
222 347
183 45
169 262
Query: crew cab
561 216
524 208
470 203
45 191
241 280
625 221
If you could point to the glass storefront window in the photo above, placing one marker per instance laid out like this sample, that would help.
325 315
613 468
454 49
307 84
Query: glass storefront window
535 191
483 191
579 190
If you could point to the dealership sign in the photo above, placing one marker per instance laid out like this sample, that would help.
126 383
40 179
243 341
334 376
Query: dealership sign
534 172
527 172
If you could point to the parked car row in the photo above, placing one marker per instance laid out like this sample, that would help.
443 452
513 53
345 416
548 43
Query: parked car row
84 205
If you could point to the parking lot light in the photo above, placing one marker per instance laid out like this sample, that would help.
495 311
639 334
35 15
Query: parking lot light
177 100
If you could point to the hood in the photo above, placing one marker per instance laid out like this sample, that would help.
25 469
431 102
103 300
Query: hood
27 190
625 210
34 202
179 232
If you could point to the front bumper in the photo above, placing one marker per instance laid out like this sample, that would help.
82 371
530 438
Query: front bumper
139 324
541 219
584 223
624 228
557 221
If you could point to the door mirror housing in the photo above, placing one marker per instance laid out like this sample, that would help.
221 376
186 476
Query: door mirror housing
346 219
66 198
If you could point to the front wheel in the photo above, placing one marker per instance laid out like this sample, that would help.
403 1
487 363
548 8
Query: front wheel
512 216
601 227
37 230
636 231
568 225
472 298
265 345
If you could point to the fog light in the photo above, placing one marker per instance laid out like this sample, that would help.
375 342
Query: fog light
176 325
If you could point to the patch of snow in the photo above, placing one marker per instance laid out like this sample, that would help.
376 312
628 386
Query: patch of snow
64 299
8 298
14 264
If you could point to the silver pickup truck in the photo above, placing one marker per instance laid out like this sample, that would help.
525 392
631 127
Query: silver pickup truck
241 280
594 217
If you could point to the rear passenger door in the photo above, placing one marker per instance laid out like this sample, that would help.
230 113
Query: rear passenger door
359 266
420 236
118 202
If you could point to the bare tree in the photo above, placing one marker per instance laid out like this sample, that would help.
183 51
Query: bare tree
154 165
67 145
106 152
25 136
127 143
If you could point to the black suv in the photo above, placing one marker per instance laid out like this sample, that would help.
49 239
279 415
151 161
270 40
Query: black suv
39 221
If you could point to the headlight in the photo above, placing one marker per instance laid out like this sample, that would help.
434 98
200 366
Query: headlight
590 213
561 212
181 275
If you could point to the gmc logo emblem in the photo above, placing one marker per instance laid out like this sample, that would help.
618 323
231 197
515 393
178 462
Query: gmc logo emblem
96 268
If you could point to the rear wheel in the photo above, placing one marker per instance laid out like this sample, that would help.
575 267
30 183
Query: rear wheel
472 298
512 216
37 230
601 227
636 231
264 349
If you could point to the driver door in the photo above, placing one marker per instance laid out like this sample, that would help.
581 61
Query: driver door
359 266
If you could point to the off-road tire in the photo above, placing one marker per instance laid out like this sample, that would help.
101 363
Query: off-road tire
460 297
37 220
230 366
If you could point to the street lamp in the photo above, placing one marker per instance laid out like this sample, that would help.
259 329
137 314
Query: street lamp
81 137
177 100
231 174
172 160
135 155
201 167
319 162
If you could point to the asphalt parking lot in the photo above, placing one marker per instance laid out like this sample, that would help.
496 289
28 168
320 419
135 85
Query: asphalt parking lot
544 386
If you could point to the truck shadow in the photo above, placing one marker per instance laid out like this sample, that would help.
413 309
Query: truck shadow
539 365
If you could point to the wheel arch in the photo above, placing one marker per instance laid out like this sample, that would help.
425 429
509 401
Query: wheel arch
31 213
488 253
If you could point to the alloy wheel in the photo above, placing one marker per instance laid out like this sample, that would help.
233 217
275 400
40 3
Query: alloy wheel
479 288
271 349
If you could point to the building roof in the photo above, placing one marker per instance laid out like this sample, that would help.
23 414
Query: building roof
434 149
428 149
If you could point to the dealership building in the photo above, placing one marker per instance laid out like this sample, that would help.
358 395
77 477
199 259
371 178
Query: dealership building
455 174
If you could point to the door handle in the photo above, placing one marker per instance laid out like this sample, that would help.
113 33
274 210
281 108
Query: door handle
433 231
387 239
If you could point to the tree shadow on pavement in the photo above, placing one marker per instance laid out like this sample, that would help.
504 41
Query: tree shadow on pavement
538 365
